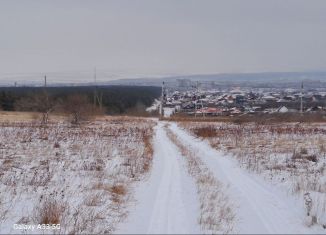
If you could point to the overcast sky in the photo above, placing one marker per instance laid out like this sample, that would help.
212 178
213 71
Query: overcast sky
136 37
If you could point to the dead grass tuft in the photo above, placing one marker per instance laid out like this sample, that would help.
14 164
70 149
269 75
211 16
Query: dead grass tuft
50 212
148 152
206 132
56 145
118 190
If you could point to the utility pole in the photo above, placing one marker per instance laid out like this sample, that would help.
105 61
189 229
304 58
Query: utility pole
196 99
97 97
201 102
45 90
47 108
162 100
301 105
202 108
95 88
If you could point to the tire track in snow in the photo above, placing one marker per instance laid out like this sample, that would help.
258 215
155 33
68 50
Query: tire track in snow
217 213
167 202
261 208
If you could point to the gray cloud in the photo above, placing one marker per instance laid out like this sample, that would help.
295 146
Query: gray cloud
131 38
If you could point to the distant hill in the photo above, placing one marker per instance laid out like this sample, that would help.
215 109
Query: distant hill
231 78
267 79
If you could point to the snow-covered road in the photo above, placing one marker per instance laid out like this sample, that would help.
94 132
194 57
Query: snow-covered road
261 207
168 203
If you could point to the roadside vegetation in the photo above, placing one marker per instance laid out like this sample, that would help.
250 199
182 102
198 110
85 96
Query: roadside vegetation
259 118
217 215
81 178
292 155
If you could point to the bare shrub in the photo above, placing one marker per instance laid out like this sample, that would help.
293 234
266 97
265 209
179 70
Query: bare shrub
79 109
312 158
118 190
148 152
42 102
50 212
303 151
56 145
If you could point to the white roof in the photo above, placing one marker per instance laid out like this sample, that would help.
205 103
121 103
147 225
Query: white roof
283 109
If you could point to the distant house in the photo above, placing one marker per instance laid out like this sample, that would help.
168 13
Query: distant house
282 101
235 110
210 111
269 98
314 109
256 109
240 99
282 109
188 105
289 98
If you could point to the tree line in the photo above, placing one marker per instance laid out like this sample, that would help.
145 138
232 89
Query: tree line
109 99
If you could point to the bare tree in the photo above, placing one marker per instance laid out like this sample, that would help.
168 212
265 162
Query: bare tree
40 102
79 108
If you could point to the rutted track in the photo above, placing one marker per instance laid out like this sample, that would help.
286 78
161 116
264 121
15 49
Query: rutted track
167 202
261 208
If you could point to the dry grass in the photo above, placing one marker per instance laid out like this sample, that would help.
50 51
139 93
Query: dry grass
148 152
216 212
50 212
90 168
206 132
118 193
27 117
16 116
6 116
250 118
290 154
118 190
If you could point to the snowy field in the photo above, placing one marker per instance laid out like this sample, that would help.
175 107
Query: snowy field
135 175
291 157
78 177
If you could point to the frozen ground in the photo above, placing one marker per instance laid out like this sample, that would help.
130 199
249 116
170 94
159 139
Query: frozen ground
167 202
163 207
168 111
79 177
123 175
261 208
290 156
